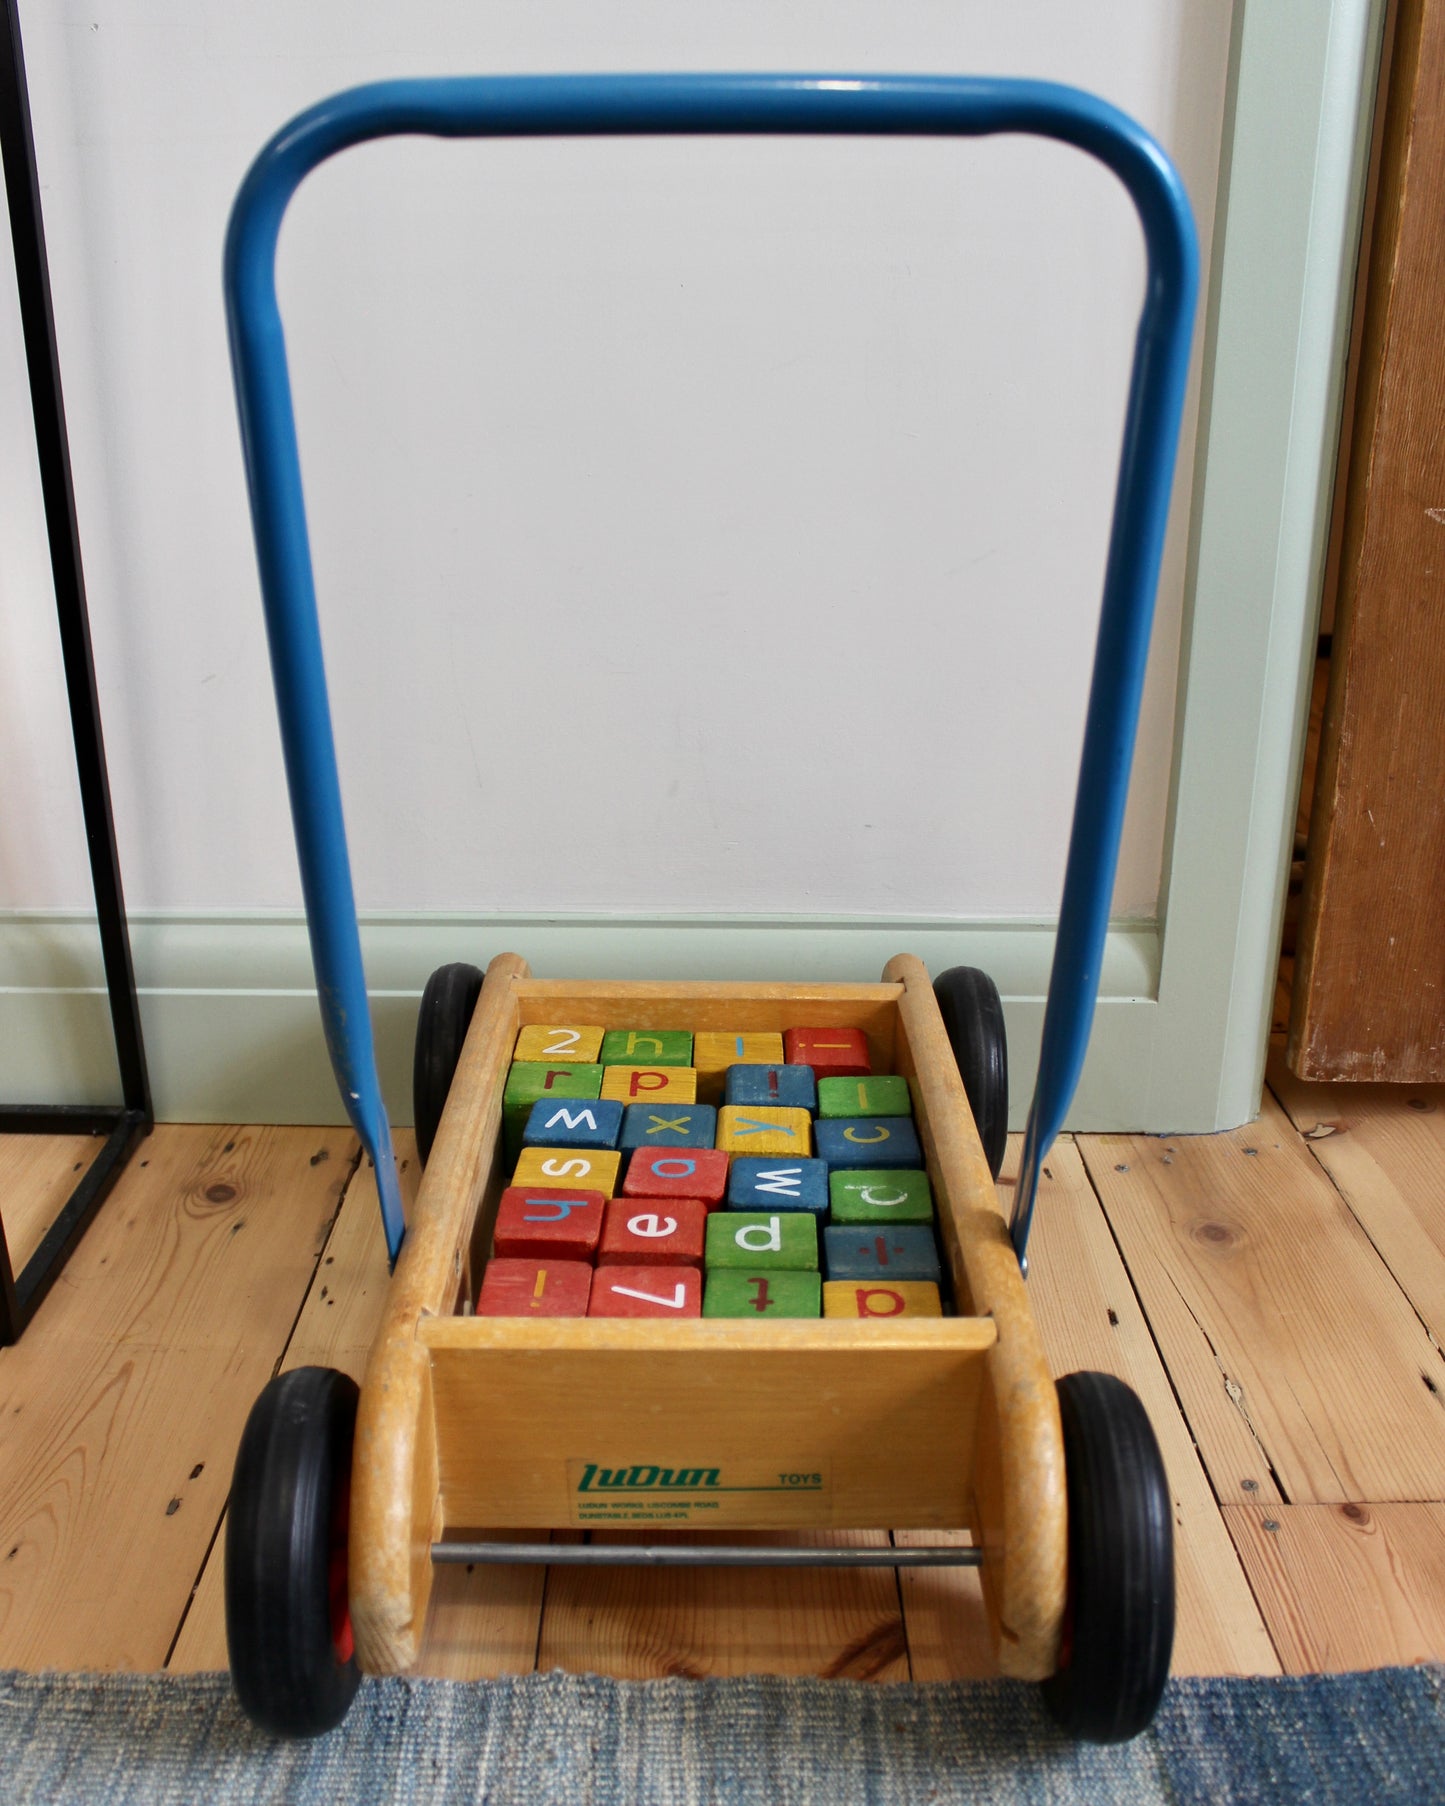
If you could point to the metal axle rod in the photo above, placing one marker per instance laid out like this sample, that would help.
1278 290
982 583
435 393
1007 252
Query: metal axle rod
706 1555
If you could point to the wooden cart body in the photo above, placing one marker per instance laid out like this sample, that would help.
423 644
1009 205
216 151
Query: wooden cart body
473 1422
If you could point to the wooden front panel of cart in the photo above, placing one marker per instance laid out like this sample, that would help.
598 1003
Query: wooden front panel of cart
705 1425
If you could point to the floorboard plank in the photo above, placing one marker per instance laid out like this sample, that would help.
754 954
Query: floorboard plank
37 1175
1090 1318
1384 1148
1345 1587
1291 1346
122 1404
482 1622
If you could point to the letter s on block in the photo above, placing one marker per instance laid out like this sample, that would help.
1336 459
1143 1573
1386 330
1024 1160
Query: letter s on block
559 1169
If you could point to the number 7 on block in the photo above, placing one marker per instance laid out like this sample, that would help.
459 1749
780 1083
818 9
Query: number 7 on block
669 1292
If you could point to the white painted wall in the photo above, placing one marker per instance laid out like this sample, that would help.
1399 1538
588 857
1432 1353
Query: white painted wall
699 526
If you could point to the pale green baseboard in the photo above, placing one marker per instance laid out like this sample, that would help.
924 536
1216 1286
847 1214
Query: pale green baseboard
232 1031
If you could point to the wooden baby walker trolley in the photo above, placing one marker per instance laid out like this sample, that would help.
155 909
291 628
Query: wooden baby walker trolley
721 1257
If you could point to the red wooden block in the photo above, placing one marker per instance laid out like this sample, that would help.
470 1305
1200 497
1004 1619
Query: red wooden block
538 1223
535 1288
653 1232
678 1173
833 1053
671 1292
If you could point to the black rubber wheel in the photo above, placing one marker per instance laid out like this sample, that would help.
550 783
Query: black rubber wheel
1119 1625
288 1626
441 1028
968 1001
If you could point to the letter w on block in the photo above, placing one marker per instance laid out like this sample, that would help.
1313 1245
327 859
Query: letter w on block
570 1119
782 1182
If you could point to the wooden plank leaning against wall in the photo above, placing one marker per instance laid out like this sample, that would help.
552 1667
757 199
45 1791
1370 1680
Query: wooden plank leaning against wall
1369 995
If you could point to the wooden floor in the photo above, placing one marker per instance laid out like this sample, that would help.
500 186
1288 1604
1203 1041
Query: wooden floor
1277 1295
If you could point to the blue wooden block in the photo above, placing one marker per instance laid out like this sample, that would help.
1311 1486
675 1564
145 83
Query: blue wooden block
760 1183
868 1141
789 1087
573 1122
668 1126
862 1251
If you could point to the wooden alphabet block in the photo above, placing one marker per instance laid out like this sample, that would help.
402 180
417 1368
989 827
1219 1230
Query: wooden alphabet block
777 1087
646 1047
559 1046
678 1173
899 1298
548 1168
764 1131
762 1242
880 1197
668 1126
650 1084
534 1223
881 1095
833 1053
866 1251
531 1288
530 1080
653 1232
714 1050
870 1141
669 1292
763 1184
754 1295
564 1123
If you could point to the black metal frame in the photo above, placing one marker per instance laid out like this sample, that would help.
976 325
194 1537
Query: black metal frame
125 1124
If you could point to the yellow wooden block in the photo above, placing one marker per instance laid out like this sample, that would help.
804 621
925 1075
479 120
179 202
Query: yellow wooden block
867 1298
764 1129
573 1169
714 1050
649 1084
555 1045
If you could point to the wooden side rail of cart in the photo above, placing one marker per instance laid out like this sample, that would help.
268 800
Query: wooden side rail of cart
467 1422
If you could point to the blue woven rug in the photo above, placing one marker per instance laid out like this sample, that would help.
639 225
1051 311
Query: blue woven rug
564 1740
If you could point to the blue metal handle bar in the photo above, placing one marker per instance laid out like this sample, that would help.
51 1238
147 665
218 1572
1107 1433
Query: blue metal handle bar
635 105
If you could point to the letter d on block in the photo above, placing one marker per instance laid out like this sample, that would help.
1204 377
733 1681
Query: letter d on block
771 1232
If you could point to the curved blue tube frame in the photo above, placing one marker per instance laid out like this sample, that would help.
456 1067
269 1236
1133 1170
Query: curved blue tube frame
636 105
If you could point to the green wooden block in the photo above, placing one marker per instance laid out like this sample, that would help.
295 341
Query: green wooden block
646 1047
528 1082
770 1294
757 1241
879 1095
901 1196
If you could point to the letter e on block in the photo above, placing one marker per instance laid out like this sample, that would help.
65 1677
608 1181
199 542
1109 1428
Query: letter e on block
653 1233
